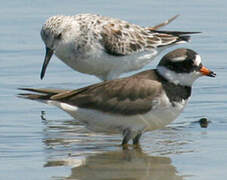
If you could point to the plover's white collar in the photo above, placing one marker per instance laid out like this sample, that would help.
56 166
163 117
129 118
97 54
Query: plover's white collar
184 79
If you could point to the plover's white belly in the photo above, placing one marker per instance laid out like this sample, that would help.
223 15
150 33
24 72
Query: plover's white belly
106 122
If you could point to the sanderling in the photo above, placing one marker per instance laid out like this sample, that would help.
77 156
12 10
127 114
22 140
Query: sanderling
104 46
143 102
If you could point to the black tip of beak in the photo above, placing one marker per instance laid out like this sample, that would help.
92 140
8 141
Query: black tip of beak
49 53
42 73
212 74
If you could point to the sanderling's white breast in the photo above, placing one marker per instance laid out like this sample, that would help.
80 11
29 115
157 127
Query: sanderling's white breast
104 46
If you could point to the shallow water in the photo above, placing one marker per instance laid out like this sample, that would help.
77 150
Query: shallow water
42 142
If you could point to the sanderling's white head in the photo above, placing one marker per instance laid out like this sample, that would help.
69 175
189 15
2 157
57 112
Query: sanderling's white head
52 30
51 34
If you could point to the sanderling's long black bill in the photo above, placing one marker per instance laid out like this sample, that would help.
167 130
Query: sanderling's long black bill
49 53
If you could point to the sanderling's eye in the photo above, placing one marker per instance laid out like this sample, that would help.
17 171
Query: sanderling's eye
58 36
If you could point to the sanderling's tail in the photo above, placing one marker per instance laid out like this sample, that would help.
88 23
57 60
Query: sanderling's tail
175 33
172 37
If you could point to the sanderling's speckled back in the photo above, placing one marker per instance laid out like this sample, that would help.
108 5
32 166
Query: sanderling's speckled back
104 46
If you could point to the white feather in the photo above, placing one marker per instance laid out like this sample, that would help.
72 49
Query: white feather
162 114
198 60
185 79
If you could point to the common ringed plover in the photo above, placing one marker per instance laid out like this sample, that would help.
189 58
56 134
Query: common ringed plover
133 105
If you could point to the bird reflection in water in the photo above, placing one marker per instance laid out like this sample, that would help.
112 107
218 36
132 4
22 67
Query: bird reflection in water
124 165
100 157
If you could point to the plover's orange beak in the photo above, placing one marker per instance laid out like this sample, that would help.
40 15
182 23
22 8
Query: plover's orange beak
206 72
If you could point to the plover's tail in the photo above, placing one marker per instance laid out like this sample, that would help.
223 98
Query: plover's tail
40 94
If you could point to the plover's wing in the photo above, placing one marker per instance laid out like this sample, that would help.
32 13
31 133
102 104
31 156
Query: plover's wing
127 96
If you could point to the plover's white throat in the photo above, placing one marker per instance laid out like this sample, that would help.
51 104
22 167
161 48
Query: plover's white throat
104 46
143 102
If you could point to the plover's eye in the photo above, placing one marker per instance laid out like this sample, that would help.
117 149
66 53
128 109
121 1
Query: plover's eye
196 67
188 65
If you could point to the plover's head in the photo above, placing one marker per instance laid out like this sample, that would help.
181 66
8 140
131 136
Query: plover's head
183 66
51 34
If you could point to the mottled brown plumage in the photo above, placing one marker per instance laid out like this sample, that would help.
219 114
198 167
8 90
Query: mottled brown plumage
119 41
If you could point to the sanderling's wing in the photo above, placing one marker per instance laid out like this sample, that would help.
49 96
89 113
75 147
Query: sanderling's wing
122 39
126 39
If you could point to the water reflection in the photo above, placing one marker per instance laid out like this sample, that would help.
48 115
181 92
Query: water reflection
99 156
125 164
